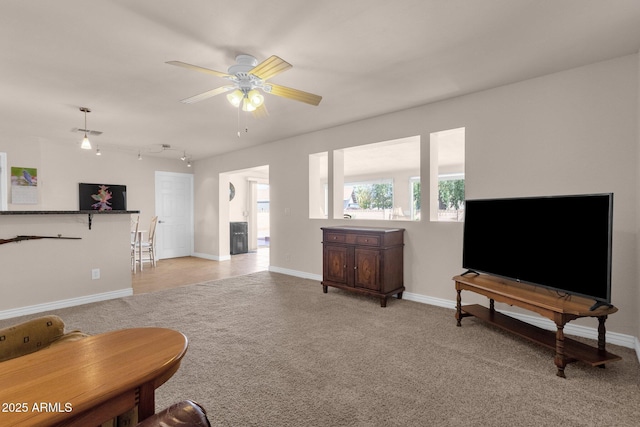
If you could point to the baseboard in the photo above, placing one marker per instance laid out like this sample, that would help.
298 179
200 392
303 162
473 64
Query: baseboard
295 273
54 305
211 257
429 300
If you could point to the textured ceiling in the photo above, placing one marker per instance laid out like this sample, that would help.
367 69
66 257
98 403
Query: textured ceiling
365 57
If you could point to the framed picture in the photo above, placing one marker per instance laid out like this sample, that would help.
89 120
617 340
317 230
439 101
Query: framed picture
102 197
24 185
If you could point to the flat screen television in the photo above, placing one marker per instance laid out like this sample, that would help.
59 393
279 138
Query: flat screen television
102 197
558 242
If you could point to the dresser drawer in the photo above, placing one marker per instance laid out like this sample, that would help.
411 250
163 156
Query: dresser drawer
368 240
336 238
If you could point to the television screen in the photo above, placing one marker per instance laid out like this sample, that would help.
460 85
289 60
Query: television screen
102 197
559 242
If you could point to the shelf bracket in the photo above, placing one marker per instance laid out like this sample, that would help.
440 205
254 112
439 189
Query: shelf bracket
90 220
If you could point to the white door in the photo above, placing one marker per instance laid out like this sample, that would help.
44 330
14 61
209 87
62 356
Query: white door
174 207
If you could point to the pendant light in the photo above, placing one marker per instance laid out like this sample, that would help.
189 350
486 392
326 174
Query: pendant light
86 145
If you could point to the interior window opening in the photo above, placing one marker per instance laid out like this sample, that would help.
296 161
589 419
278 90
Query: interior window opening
447 192
378 181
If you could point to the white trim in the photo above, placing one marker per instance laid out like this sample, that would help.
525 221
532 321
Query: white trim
296 273
212 257
429 300
38 308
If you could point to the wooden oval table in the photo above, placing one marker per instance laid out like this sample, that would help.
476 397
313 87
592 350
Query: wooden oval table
89 381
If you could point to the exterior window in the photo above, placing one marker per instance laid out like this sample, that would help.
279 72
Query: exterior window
414 189
447 193
369 200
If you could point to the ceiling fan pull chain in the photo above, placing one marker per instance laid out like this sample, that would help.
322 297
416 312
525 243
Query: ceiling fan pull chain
246 126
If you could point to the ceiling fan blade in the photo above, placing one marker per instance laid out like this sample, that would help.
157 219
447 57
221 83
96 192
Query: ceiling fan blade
207 94
196 68
295 94
270 67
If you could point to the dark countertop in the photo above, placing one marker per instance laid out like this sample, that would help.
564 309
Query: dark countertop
66 212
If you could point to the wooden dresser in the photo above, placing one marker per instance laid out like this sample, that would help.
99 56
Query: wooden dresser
367 260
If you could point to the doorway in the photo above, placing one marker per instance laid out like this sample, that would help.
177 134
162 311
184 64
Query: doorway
262 210
250 204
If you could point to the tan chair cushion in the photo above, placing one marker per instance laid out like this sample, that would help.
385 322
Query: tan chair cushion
33 335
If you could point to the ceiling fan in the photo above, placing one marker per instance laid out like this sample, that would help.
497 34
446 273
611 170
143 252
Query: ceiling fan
248 79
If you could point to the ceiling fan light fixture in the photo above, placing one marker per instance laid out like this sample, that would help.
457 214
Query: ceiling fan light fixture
255 98
235 97
248 106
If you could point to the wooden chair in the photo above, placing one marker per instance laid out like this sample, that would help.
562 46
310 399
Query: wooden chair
135 241
148 247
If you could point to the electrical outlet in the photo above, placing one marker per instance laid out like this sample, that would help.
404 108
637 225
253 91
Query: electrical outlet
95 273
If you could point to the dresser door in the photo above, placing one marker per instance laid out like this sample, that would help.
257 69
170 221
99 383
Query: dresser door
336 259
367 269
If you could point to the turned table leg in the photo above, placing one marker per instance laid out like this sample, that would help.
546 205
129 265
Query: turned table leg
602 340
560 359
458 307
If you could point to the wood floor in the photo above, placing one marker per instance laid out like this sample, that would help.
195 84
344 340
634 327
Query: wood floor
174 272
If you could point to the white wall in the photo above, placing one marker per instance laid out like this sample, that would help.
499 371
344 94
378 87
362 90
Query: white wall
570 132
46 272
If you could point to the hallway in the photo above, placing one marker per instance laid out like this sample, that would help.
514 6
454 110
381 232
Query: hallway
174 272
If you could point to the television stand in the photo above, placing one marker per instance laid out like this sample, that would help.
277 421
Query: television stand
560 310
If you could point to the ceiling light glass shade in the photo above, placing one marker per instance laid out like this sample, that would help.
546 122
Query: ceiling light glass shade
86 145
255 98
235 97
248 106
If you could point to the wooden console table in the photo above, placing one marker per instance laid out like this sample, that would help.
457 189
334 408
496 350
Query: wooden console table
561 310
89 381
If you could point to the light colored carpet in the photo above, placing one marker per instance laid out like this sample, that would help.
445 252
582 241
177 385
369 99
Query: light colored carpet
268 349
